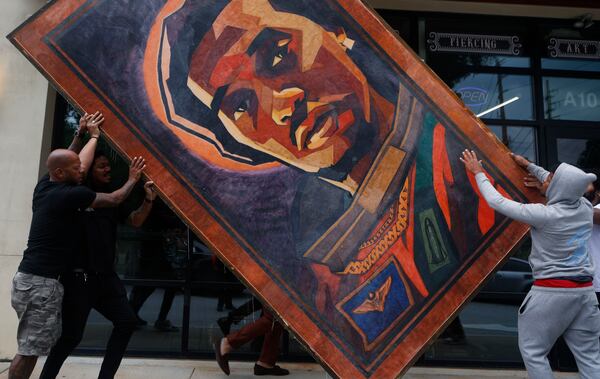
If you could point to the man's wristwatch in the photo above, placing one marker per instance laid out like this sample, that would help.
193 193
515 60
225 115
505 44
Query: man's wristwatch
77 134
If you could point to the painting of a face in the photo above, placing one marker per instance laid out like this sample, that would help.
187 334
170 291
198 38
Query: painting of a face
309 148
282 84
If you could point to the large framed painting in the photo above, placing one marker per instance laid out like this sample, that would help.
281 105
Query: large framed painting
308 146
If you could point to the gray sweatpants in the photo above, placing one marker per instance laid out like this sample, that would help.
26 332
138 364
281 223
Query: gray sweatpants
548 313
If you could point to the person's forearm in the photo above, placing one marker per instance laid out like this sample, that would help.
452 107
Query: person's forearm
540 173
531 214
77 143
139 216
86 156
113 199
596 216
122 193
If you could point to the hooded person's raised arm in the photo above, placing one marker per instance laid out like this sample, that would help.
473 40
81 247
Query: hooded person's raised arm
540 173
531 214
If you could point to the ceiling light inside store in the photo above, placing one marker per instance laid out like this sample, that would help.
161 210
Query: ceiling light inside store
498 106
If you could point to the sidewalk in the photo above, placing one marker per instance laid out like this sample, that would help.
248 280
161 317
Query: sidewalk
87 368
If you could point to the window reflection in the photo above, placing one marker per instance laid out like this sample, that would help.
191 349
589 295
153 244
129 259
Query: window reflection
571 99
480 60
156 250
481 92
147 337
571 64
519 139
584 153
490 329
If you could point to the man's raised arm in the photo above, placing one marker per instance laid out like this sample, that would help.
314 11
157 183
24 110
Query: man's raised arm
77 142
86 156
139 216
113 199
532 214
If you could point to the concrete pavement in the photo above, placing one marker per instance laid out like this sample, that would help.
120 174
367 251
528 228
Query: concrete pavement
87 368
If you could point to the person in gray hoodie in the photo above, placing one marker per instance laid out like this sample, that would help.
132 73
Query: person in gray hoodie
562 300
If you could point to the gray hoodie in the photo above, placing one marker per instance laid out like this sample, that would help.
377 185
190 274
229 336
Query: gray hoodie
560 229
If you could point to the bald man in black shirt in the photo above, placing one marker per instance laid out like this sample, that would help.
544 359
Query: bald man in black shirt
36 292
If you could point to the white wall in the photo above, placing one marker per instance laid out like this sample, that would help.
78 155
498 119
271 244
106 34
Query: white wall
23 98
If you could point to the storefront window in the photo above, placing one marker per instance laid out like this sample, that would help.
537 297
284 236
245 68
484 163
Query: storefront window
161 318
592 65
519 139
157 250
482 60
490 332
584 153
571 99
481 91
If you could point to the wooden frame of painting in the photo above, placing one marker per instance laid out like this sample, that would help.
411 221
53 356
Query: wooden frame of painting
308 146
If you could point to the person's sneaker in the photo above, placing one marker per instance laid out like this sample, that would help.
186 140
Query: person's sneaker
165 326
273 371
225 325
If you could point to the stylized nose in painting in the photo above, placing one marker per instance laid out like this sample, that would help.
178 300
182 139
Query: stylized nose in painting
285 103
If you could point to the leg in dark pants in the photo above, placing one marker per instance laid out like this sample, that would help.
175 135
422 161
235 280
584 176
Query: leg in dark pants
139 295
75 311
167 302
112 303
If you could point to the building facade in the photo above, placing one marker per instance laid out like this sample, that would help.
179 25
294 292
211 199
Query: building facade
539 58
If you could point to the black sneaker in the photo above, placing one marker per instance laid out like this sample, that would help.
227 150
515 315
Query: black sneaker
273 371
224 325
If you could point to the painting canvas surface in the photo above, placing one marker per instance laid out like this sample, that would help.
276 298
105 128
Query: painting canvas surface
308 146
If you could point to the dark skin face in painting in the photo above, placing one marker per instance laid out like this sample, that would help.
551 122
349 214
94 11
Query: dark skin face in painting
283 85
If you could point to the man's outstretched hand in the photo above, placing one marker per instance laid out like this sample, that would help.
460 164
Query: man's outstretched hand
93 124
469 158
138 164
520 160
83 121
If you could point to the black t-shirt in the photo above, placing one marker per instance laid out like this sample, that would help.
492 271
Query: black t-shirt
54 227
100 237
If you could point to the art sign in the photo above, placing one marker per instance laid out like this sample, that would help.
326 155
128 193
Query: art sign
573 48
310 148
